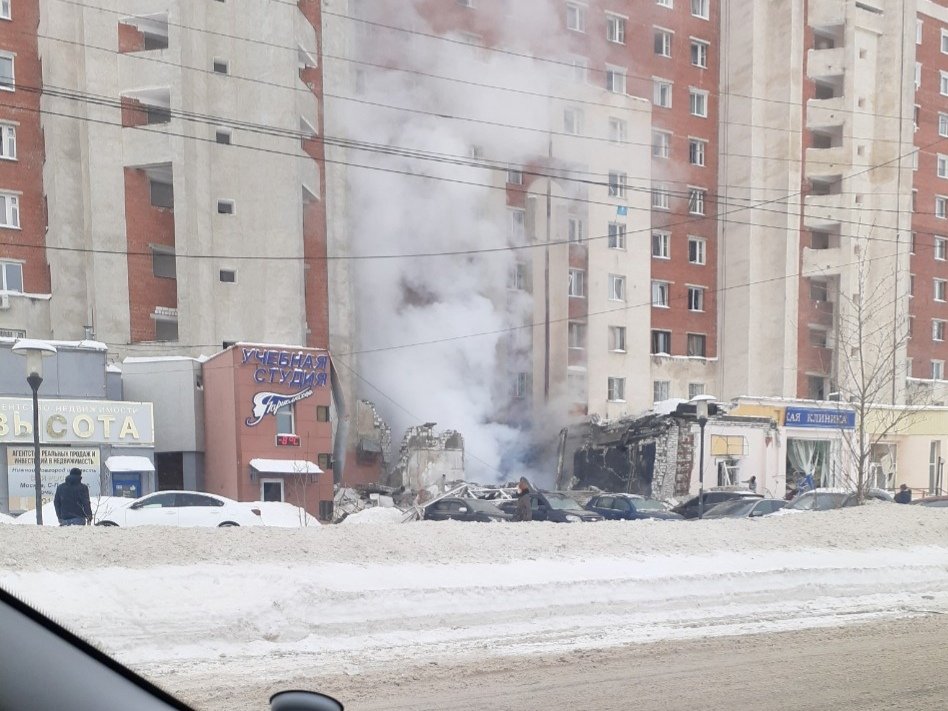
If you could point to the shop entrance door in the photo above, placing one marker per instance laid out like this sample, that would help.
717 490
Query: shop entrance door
271 490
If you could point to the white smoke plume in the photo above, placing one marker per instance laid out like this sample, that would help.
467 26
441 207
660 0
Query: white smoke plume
460 381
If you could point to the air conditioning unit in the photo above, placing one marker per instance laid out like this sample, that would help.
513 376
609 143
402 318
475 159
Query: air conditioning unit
4 301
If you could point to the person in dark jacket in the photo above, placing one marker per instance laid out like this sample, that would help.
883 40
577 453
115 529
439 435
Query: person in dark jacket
524 512
73 507
904 495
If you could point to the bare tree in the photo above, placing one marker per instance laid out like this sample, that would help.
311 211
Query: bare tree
872 365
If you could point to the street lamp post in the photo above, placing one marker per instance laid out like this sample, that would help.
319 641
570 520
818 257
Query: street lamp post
35 351
701 410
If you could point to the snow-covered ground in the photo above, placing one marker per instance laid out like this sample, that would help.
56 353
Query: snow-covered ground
233 602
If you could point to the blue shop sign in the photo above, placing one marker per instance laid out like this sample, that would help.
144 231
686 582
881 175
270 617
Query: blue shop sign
824 419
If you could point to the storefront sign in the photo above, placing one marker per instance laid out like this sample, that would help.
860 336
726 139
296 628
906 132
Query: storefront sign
282 367
816 418
55 463
77 422
268 403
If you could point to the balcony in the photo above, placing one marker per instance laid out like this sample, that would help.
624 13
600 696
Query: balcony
823 262
825 62
821 113
826 13
822 210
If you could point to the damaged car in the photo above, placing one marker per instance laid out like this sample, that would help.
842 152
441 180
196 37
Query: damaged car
553 506
629 507
458 509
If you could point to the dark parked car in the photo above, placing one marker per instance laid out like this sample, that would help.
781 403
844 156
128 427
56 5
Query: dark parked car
629 507
689 508
457 509
552 506
747 507
938 502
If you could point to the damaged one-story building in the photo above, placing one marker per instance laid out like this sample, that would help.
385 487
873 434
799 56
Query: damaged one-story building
658 454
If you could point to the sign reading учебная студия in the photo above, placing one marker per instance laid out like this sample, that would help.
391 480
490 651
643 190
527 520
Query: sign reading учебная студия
77 422
298 369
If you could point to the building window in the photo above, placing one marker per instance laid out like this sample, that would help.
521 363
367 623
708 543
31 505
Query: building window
918 82
941 207
517 224
943 83
661 342
661 144
324 462
911 285
665 3
7 141
943 125
696 201
7 78
695 298
661 390
518 277
579 67
466 3
941 248
514 176
166 329
663 42
616 389
271 490
695 389
938 370
615 29
616 287
225 207
697 248
222 136
660 293
617 184
161 194
519 385
322 413
618 130
616 235
699 54
701 8
573 121
660 197
220 66
942 166
944 41
939 289
577 282
11 276
576 229
918 31
661 245
228 276
697 345
575 17
699 102
938 330
576 334
696 151
818 338
5 10
615 80
286 420
163 263
9 210
914 243
662 93
617 339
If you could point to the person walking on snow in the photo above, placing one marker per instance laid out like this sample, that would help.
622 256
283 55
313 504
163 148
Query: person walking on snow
524 512
904 495
73 507
752 483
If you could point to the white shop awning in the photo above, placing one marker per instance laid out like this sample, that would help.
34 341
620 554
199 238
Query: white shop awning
285 466
129 464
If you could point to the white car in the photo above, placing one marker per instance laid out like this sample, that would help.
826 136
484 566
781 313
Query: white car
183 508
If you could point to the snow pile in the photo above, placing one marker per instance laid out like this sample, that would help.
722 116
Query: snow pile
102 507
4 518
283 515
376 515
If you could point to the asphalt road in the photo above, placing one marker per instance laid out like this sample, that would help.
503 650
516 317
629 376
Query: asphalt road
896 665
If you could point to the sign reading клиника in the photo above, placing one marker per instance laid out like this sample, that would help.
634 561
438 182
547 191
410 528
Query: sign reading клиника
819 418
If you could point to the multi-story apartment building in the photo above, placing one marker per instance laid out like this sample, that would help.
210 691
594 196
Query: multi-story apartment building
166 155
24 270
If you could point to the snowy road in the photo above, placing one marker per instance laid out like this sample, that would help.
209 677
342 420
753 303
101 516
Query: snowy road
216 613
